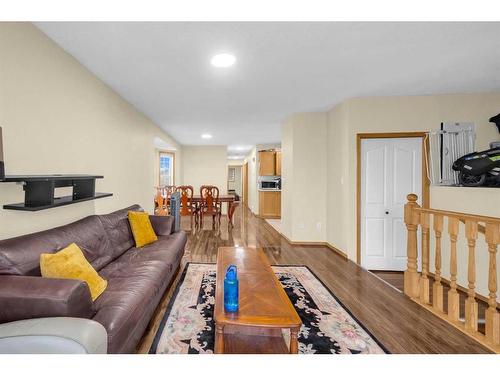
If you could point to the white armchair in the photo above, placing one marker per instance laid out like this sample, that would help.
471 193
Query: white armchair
53 336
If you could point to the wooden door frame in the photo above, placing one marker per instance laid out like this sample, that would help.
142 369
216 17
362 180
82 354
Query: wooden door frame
244 175
425 181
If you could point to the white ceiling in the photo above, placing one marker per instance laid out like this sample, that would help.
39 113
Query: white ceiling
282 68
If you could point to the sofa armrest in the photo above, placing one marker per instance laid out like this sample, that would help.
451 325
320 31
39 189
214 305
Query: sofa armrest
53 336
26 297
162 225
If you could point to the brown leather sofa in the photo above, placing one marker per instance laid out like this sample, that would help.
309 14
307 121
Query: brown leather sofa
137 278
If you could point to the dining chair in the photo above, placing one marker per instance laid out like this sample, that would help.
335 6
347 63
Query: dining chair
160 203
187 206
210 204
162 198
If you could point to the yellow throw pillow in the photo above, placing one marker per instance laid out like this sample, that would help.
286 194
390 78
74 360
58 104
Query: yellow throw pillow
70 263
142 229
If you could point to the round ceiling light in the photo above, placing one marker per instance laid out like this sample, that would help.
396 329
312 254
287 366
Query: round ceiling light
223 60
206 136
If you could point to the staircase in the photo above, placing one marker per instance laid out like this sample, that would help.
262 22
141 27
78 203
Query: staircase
426 288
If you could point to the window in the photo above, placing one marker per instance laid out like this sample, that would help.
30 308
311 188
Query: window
166 172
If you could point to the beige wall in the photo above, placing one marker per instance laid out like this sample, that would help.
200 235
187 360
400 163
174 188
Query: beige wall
374 115
412 113
231 162
57 117
205 165
287 177
253 196
337 170
304 181
480 201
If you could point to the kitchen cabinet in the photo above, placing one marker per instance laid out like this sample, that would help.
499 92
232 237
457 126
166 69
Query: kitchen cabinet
270 204
278 163
269 163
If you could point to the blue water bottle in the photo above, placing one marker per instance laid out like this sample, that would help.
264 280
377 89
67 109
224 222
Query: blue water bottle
231 289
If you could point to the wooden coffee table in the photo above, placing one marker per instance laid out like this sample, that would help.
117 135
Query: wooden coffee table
264 308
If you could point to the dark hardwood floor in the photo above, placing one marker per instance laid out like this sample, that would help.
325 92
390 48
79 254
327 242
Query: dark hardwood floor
396 279
400 324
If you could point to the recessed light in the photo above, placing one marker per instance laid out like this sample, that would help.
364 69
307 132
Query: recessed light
206 136
223 60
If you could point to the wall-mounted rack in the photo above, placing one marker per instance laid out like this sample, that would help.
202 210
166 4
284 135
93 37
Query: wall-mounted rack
446 145
39 190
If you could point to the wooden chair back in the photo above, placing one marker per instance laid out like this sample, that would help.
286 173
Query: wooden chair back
209 198
186 192
162 196
165 191
168 190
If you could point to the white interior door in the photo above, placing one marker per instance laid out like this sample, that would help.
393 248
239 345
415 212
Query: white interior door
391 168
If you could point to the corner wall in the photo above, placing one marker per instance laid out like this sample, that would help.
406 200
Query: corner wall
337 176
253 194
304 177
57 117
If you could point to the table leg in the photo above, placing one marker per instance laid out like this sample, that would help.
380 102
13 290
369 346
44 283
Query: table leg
219 339
294 343
230 212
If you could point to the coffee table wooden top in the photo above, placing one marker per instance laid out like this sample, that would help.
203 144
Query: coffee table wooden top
262 300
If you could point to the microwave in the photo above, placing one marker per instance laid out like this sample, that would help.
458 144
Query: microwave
274 184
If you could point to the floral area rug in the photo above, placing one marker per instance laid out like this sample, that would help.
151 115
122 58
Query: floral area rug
327 326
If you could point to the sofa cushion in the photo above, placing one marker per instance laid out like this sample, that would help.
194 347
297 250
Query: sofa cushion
141 227
70 263
21 255
135 279
167 249
130 291
117 227
162 225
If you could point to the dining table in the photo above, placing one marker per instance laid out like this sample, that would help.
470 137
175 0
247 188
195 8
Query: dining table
229 199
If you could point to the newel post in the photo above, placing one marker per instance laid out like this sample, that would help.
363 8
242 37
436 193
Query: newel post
492 317
411 277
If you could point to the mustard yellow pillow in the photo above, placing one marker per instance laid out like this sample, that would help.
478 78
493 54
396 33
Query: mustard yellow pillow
142 229
70 263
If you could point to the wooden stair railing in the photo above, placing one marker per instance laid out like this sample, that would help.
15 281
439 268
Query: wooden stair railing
417 285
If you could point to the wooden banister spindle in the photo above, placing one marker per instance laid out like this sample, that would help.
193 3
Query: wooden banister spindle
453 297
411 278
437 287
492 317
424 278
470 303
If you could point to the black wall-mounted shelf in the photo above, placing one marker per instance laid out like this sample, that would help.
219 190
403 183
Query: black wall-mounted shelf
39 190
